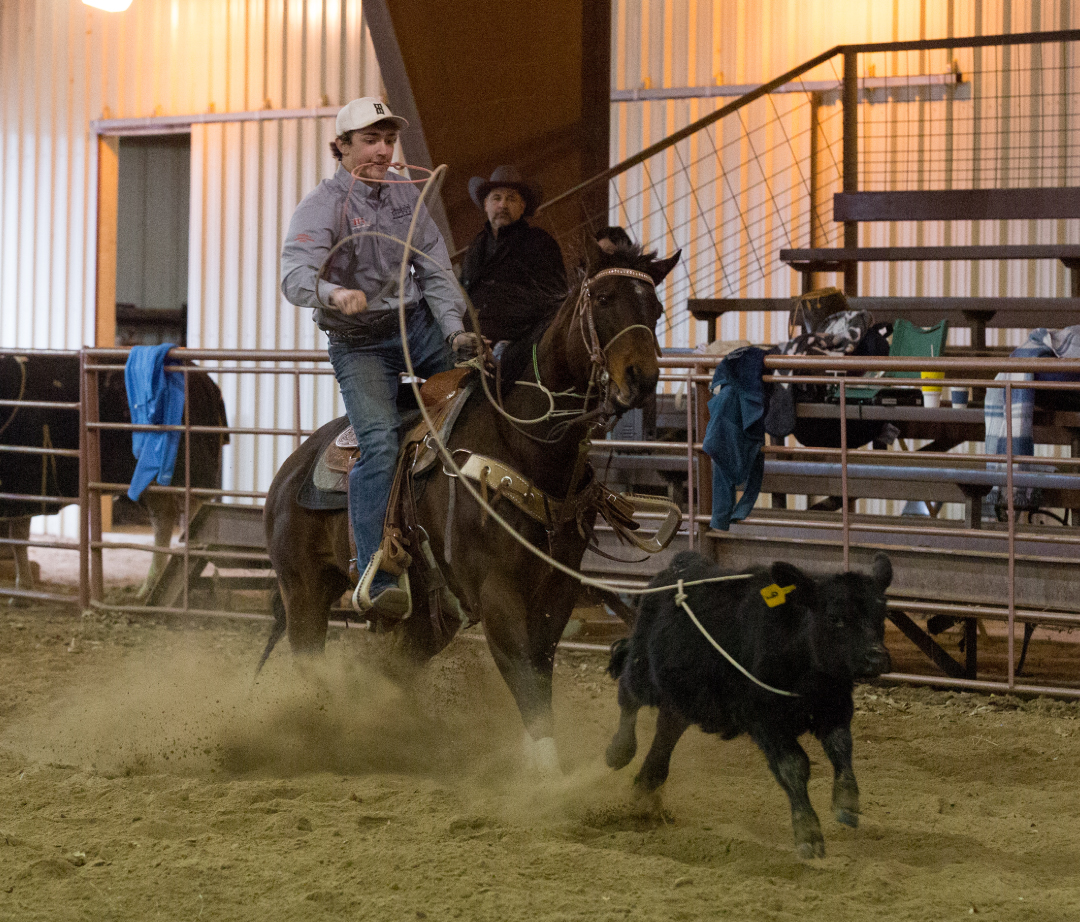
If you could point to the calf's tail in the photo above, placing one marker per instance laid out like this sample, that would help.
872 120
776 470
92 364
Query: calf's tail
620 650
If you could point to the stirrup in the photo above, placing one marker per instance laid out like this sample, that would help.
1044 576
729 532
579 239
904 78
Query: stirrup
361 597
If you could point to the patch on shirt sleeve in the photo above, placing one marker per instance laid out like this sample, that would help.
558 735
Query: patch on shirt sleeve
304 238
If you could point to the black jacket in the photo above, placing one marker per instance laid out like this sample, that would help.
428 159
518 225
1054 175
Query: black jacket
515 280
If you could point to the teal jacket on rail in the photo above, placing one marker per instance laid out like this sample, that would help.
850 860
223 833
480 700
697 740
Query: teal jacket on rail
736 434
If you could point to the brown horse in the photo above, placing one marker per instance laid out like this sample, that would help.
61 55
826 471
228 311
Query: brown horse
598 357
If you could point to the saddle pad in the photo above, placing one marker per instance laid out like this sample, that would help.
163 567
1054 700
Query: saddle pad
311 496
326 485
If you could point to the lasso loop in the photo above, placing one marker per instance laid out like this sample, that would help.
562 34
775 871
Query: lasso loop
434 181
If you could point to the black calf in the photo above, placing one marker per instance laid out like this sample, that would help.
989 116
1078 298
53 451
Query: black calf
807 639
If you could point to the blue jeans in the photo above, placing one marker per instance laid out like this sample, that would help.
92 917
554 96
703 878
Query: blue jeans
368 377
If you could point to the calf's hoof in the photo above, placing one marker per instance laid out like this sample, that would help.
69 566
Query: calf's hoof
620 752
811 849
809 842
846 817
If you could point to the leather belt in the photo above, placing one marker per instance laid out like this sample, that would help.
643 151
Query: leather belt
372 328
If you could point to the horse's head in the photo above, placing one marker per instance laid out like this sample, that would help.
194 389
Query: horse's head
614 323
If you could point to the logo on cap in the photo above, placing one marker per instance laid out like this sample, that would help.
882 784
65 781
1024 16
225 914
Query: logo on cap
379 108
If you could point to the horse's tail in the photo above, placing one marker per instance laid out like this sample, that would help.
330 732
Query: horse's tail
620 650
277 630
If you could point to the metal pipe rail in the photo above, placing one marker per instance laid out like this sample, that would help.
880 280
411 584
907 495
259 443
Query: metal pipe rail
931 474
694 371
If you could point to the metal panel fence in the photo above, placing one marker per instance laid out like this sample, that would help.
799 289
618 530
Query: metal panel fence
1020 570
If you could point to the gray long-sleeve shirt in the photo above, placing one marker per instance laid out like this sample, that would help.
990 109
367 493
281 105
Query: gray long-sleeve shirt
368 263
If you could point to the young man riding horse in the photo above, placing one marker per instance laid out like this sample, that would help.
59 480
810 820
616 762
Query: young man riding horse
356 305
526 455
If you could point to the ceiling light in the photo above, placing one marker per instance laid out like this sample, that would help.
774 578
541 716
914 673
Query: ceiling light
109 6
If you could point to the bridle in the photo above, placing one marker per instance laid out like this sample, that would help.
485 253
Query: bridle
584 311
598 374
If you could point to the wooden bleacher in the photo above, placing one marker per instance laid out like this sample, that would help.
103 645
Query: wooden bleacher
977 313
852 208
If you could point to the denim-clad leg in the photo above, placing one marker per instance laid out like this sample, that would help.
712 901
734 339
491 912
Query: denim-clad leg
368 378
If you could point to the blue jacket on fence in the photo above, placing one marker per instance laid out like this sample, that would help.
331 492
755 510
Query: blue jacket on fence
736 434
156 397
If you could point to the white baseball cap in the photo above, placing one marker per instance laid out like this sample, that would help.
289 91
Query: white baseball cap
363 112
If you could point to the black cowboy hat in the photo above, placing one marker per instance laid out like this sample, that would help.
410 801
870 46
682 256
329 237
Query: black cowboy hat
505 177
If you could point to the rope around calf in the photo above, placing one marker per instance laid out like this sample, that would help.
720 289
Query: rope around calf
680 599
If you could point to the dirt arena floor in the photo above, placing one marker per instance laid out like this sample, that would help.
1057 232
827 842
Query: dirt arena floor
143 776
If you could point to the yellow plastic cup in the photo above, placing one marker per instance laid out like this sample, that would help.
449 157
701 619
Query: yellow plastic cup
938 375
931 393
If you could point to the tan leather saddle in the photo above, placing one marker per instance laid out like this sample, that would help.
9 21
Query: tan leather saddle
444 395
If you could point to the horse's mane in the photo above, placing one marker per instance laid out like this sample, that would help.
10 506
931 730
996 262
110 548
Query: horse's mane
516 360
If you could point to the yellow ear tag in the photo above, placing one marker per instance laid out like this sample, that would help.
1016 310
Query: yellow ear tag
775 595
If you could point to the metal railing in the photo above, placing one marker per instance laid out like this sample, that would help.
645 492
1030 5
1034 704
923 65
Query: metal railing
1010 554
16 449
758 174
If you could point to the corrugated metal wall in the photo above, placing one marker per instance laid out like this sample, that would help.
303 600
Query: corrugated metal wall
684 43
63 64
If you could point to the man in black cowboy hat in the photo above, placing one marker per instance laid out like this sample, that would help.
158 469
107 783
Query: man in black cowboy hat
513 272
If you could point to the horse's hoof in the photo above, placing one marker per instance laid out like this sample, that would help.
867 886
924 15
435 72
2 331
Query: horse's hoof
811 849
846 817
541 758
620 754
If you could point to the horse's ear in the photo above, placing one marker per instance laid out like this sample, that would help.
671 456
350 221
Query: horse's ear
659 268
593 253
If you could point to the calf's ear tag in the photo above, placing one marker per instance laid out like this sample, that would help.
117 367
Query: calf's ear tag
776 595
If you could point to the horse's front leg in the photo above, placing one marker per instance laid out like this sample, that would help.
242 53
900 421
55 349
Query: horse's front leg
523 644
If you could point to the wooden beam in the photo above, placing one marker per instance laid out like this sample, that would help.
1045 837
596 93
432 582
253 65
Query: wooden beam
108 206
826 259
957 205
107 209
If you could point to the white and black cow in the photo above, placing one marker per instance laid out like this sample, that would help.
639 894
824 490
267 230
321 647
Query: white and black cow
808 637
54 377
